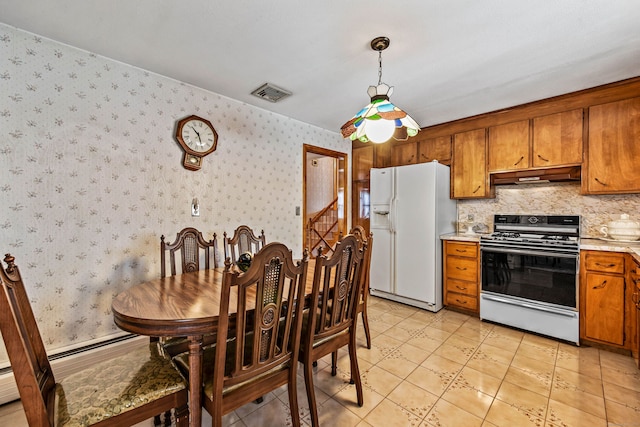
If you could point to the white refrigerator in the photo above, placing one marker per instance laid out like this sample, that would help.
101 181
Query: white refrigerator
410 209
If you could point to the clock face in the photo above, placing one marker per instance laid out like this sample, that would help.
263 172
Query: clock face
198 135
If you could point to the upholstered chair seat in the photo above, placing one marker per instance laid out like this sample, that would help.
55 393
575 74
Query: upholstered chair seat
136 378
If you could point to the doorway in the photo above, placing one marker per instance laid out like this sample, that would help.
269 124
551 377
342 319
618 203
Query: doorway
324 195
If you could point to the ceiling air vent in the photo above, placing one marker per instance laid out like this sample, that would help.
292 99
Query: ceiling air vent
270 92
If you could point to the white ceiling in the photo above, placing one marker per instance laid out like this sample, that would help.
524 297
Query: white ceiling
447 59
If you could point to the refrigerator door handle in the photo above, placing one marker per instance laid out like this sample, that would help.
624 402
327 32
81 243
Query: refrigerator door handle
392 216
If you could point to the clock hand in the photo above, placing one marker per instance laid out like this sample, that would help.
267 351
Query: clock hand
197 133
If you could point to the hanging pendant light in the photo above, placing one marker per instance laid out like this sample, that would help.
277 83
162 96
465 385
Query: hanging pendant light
380 120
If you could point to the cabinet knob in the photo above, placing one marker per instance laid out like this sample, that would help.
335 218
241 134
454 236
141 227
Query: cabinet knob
521 159
461 268
542 158
476 190
600 182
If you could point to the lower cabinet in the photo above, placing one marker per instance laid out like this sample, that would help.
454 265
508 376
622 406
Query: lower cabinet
605 300
461 275
634 282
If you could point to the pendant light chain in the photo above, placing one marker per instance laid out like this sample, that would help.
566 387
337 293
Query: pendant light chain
379 67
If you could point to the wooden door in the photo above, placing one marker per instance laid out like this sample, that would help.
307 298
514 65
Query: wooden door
557 139
509 146
469 165
431 149
604 317
613 148
405 153
362 163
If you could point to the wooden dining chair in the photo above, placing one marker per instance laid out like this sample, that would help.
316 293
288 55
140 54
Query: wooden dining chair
361 235
189 252
193 250
330 322
122 391
257 346
243 240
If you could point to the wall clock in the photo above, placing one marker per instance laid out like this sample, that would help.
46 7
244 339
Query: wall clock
197 137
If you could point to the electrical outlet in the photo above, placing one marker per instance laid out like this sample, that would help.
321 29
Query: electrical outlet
195 207
470 217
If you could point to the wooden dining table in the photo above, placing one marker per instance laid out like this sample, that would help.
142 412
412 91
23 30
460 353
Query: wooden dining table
184 305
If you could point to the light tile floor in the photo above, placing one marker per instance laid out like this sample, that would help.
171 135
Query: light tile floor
449 369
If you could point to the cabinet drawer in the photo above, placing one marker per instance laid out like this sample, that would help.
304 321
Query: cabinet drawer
462 301
462 269
462 249
608 262
458 286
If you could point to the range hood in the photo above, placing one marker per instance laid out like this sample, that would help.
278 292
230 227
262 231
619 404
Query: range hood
538 176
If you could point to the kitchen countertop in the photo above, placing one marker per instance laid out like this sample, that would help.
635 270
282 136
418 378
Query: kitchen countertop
464 237
608 245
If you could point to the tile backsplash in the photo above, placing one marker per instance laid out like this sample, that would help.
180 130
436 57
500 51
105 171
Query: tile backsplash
550 199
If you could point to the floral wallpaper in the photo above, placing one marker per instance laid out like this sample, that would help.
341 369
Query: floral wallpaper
91 176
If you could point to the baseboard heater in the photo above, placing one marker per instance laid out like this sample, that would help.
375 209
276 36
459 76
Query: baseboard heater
67 362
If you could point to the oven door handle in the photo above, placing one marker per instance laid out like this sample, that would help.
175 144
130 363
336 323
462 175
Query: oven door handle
531 306
517 251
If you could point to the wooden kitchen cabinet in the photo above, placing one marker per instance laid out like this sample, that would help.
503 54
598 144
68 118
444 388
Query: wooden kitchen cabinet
461 275
557 139
382 155
362 162
542 142
613 149
604 312
469 178
634 282
438 148
509 146
405 153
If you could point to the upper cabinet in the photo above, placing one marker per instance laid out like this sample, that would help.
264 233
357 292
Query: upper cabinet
431 149
469 178
613 149
404 153
546 141
557 139
509 146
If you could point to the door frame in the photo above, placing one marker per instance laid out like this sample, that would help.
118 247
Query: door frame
306 148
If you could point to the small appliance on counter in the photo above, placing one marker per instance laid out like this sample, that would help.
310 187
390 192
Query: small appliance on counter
623 229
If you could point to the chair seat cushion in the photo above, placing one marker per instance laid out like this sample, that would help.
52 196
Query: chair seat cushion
116 386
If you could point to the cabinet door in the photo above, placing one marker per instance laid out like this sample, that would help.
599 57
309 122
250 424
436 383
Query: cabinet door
382 155
404 154
431 149
360 205
362 159
509 146
557 139
604 305
469 165
613 148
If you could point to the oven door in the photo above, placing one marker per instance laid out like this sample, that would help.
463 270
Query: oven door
531 274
